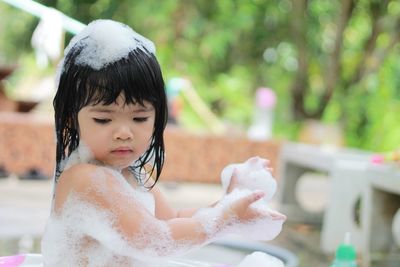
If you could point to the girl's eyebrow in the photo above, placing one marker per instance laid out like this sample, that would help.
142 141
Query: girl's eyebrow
101 109
104 109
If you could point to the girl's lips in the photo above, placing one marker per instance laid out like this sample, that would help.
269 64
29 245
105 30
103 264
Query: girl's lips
122 151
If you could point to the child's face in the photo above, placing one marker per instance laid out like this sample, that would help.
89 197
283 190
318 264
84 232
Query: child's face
117 134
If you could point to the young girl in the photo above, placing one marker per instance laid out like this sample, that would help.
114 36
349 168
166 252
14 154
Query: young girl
110 114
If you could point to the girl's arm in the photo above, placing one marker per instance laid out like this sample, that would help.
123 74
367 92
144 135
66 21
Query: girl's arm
164 211
134 227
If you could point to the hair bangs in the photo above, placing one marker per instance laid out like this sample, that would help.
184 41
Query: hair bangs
138 82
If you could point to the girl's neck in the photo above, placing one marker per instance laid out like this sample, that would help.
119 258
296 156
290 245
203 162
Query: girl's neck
132 179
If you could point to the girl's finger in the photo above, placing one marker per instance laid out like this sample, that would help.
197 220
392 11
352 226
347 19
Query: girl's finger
275 215
256 195
266 163
235 174
269 169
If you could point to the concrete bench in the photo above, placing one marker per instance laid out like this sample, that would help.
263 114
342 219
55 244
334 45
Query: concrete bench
345 169
381 213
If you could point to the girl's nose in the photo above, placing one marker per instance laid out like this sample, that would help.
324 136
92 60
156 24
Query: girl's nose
123 133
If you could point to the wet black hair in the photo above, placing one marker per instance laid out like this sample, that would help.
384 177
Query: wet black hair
138 76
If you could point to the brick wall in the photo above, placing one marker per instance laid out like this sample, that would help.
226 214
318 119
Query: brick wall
191 157
27 141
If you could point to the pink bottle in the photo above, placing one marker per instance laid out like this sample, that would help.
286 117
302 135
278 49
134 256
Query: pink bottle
261 128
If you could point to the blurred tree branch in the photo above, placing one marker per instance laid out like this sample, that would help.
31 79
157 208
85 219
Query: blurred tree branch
333 68
370 56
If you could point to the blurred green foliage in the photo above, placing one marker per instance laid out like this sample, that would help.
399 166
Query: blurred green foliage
229 48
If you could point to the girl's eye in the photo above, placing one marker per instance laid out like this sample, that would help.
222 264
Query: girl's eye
140 119
101 121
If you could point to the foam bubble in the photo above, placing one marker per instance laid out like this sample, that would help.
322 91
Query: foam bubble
81 154
264 228
106 41
251 175
259 259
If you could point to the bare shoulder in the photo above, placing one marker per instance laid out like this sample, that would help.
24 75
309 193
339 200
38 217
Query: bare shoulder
79 176
80 179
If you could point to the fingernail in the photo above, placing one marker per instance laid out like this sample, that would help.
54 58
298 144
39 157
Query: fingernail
260 194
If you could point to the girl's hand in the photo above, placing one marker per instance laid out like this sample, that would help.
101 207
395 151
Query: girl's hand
240 208
234 182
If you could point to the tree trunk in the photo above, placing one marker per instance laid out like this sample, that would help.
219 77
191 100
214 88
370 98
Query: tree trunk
300 86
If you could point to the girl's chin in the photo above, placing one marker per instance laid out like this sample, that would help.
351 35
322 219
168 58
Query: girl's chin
119 166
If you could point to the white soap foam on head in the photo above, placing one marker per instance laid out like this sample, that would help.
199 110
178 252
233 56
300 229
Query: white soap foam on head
106 41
